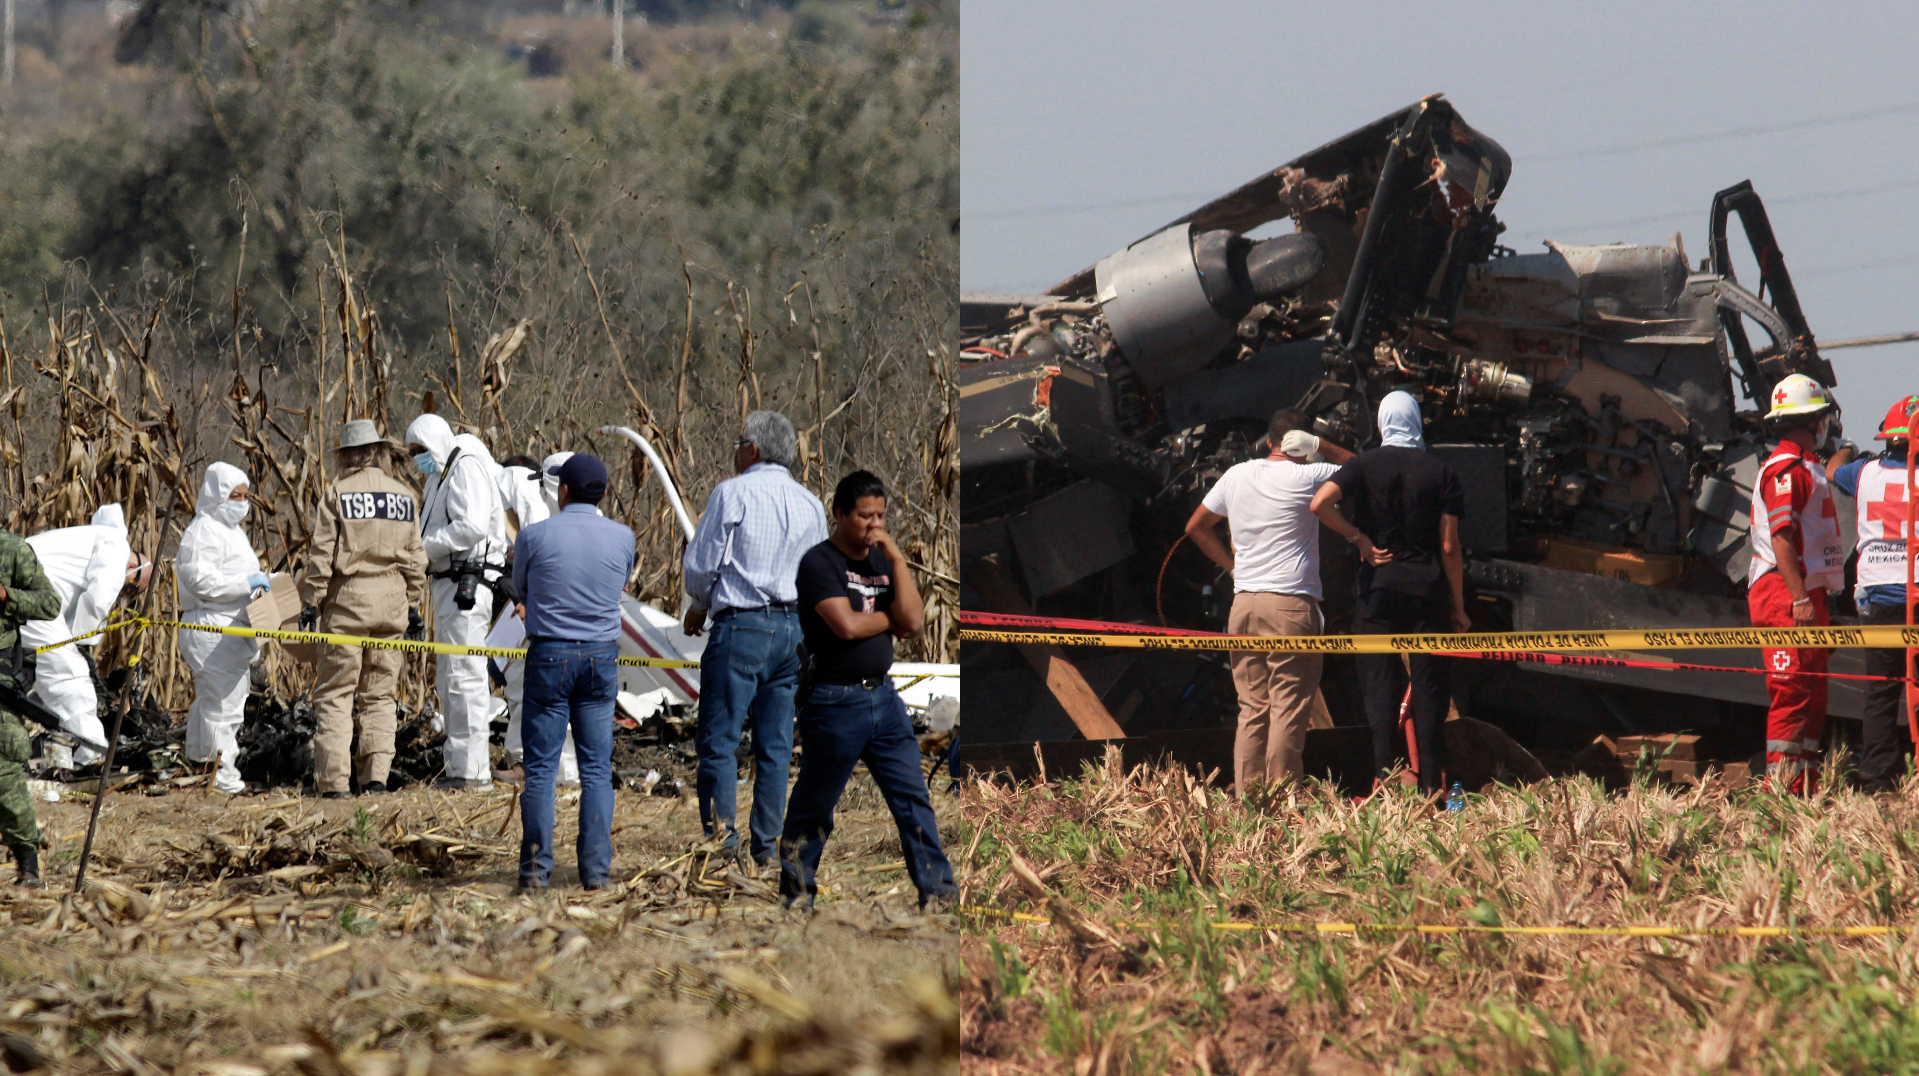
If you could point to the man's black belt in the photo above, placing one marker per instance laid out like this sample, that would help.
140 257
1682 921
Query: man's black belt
770 607
869 683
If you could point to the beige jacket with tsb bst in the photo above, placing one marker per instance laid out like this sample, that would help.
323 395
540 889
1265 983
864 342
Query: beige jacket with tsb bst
366 563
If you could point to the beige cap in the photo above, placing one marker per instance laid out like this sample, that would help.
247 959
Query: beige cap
361 431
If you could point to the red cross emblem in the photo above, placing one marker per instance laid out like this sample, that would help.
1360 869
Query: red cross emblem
1891 512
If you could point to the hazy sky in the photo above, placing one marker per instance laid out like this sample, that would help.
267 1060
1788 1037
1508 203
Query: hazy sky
1086 125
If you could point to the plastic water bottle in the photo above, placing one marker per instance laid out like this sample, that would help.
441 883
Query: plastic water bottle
1456 799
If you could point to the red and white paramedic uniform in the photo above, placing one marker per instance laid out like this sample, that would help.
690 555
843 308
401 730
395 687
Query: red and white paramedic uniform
1792 494
1882 549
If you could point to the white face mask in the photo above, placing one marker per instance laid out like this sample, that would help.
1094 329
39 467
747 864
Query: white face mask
233 511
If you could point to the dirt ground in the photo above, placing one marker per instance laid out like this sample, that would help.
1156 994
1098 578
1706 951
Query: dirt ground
242 936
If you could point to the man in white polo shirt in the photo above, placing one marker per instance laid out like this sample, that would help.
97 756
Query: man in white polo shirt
1275 566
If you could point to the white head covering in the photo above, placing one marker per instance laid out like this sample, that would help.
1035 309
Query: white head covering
550 478
1399 422
220 482
432 433
111 515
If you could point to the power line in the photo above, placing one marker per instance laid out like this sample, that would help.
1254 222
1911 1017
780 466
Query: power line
1088 207
1868 341
1719 136
1584 154
1805 198
1876 263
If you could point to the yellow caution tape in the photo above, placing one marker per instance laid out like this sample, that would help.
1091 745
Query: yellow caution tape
97 631
416 645
334 639
1466 928
1878 636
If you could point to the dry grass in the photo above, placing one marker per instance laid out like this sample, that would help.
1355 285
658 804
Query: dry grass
1155 845
249 936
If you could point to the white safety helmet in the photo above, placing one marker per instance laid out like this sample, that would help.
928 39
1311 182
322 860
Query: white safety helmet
1797 394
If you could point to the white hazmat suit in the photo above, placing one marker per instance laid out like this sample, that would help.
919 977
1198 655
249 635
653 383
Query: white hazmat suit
217 569
87 567
461 519
520 495
510 630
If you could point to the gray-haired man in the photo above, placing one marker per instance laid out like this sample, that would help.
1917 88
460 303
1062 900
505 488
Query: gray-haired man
742 566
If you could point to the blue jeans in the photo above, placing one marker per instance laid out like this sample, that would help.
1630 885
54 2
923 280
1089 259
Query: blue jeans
568 684
751 665
840 726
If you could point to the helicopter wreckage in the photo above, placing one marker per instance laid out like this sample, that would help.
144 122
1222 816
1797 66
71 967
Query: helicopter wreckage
1589 397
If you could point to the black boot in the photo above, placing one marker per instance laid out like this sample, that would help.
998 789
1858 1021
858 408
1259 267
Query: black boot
27 858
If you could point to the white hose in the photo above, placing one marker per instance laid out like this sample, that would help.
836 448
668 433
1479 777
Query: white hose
659 468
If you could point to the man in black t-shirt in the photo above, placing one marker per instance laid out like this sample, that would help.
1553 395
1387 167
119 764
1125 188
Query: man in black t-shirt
856 592
1406 504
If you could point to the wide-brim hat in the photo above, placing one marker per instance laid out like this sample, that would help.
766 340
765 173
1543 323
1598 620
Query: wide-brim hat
359 432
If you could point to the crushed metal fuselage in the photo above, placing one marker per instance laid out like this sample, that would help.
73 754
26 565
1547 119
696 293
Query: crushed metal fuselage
1586 395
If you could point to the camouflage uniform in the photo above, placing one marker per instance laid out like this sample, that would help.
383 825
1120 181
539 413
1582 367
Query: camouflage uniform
29 597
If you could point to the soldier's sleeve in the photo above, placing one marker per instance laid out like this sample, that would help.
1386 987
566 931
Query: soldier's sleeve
29 595
326 535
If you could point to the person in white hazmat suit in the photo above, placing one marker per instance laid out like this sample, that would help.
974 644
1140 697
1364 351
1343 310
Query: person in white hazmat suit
521 496
510 630
462 524
218 574
90 567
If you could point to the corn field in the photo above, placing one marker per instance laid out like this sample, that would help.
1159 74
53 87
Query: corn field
113 400
1134 868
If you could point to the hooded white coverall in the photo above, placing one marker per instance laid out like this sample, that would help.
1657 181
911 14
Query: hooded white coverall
524 492
510 630
213 565
87 567
461 519
520 494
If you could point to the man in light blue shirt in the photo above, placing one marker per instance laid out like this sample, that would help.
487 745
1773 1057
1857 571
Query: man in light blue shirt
742 566
571 570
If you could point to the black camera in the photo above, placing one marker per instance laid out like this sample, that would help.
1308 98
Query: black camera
468 592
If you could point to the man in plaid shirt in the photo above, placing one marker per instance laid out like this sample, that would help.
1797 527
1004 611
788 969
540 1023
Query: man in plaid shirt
742 568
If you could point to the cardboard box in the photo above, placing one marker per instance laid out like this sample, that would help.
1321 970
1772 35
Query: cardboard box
1681 771
1684 746
279 610
1614 562
1600 761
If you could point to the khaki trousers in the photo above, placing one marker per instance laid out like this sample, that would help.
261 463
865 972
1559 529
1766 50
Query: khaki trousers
1276 691
357 685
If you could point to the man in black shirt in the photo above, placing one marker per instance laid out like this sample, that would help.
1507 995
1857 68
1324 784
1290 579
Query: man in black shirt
1406 505
856 592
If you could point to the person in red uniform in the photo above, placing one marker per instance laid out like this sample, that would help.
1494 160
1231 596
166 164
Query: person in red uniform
1797 558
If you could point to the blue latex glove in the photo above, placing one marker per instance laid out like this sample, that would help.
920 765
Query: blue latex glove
258 580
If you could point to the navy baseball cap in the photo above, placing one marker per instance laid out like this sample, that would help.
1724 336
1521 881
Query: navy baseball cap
584 477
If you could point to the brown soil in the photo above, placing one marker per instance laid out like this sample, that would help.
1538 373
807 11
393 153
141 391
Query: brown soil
250 935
